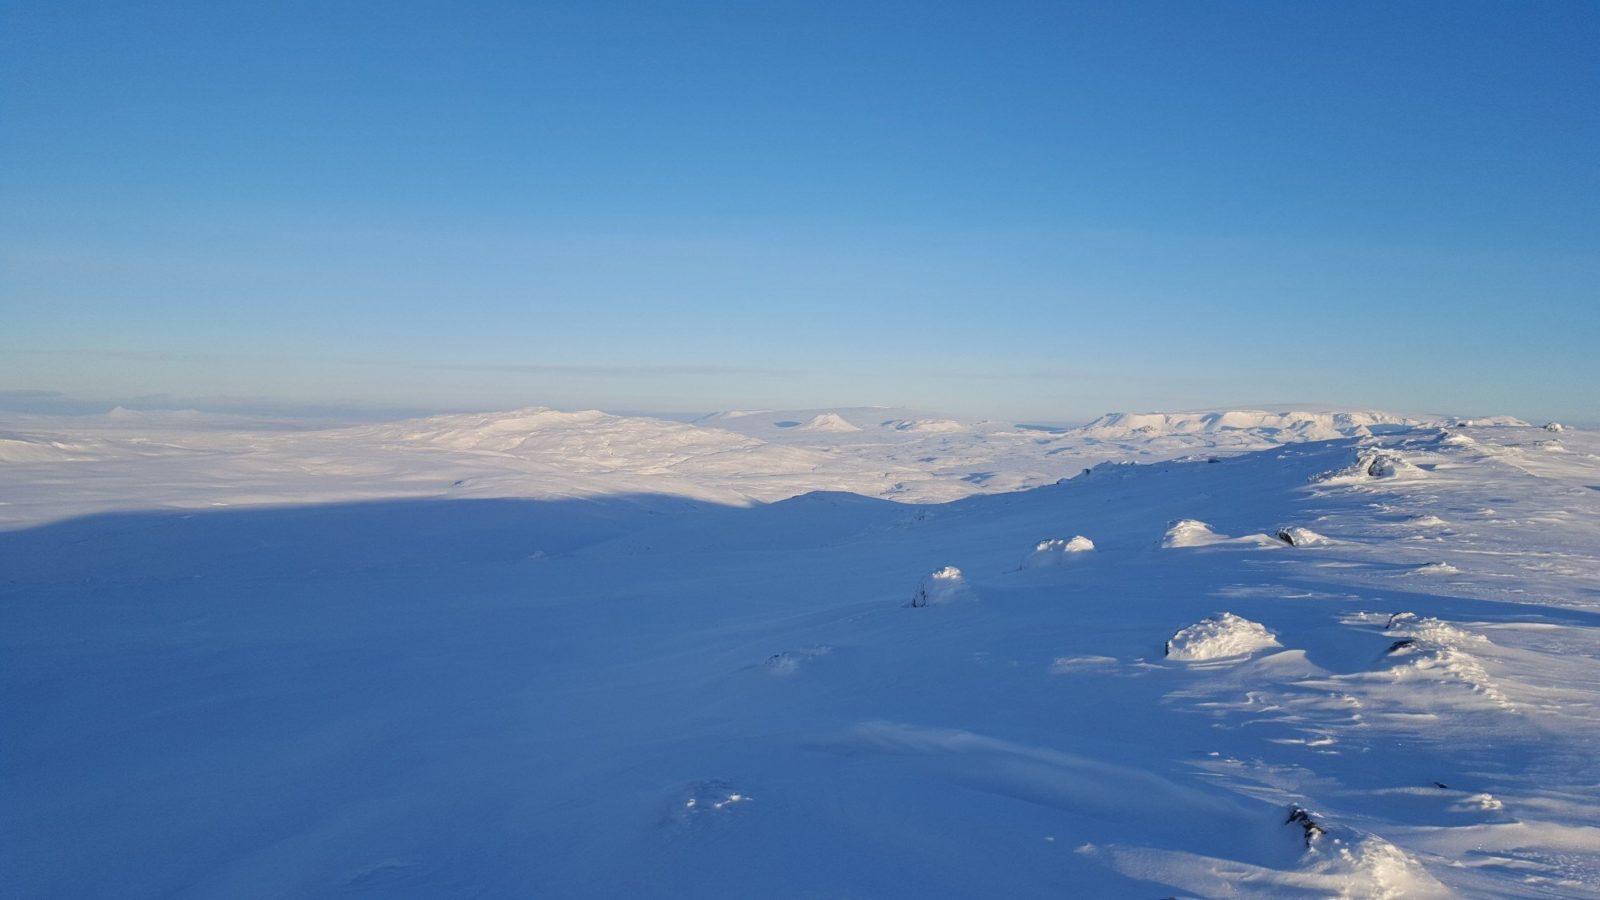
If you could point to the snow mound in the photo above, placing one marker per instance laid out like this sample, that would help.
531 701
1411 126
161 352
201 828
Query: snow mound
1190 533
943 587
1224 637
1554 426
832 423
1057 551
1436 568
1296 536
1195 533
1479 803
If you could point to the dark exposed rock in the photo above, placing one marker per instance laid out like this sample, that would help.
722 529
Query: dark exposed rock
1299 816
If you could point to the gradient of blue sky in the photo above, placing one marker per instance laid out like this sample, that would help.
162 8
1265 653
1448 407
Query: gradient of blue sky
1043 210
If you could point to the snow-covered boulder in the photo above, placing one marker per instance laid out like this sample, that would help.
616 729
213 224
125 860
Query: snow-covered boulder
1385 465
1224 637
1373 463
1296 536
1056 551
943 587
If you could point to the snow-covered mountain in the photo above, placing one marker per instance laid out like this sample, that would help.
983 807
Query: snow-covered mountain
1359 667
1283 426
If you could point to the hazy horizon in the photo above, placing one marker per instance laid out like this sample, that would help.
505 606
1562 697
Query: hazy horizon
53 403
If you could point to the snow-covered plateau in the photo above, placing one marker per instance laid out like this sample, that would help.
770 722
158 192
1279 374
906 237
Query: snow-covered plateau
801 653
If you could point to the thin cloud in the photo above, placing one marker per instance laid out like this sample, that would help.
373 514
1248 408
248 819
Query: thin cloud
586 370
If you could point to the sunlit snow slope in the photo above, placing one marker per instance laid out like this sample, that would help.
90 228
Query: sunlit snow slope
1127 684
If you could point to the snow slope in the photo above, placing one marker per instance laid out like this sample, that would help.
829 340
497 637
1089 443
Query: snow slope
631 693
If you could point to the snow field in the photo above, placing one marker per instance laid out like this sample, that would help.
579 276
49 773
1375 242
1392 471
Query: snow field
634 694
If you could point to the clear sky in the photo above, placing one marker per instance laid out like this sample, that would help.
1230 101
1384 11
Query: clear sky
1041 210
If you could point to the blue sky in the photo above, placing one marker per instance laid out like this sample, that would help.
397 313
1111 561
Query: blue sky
1044 210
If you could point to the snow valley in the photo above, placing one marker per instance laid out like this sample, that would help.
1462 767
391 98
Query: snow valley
832 652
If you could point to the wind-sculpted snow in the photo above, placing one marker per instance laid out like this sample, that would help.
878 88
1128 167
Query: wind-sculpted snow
1430 647
360 677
